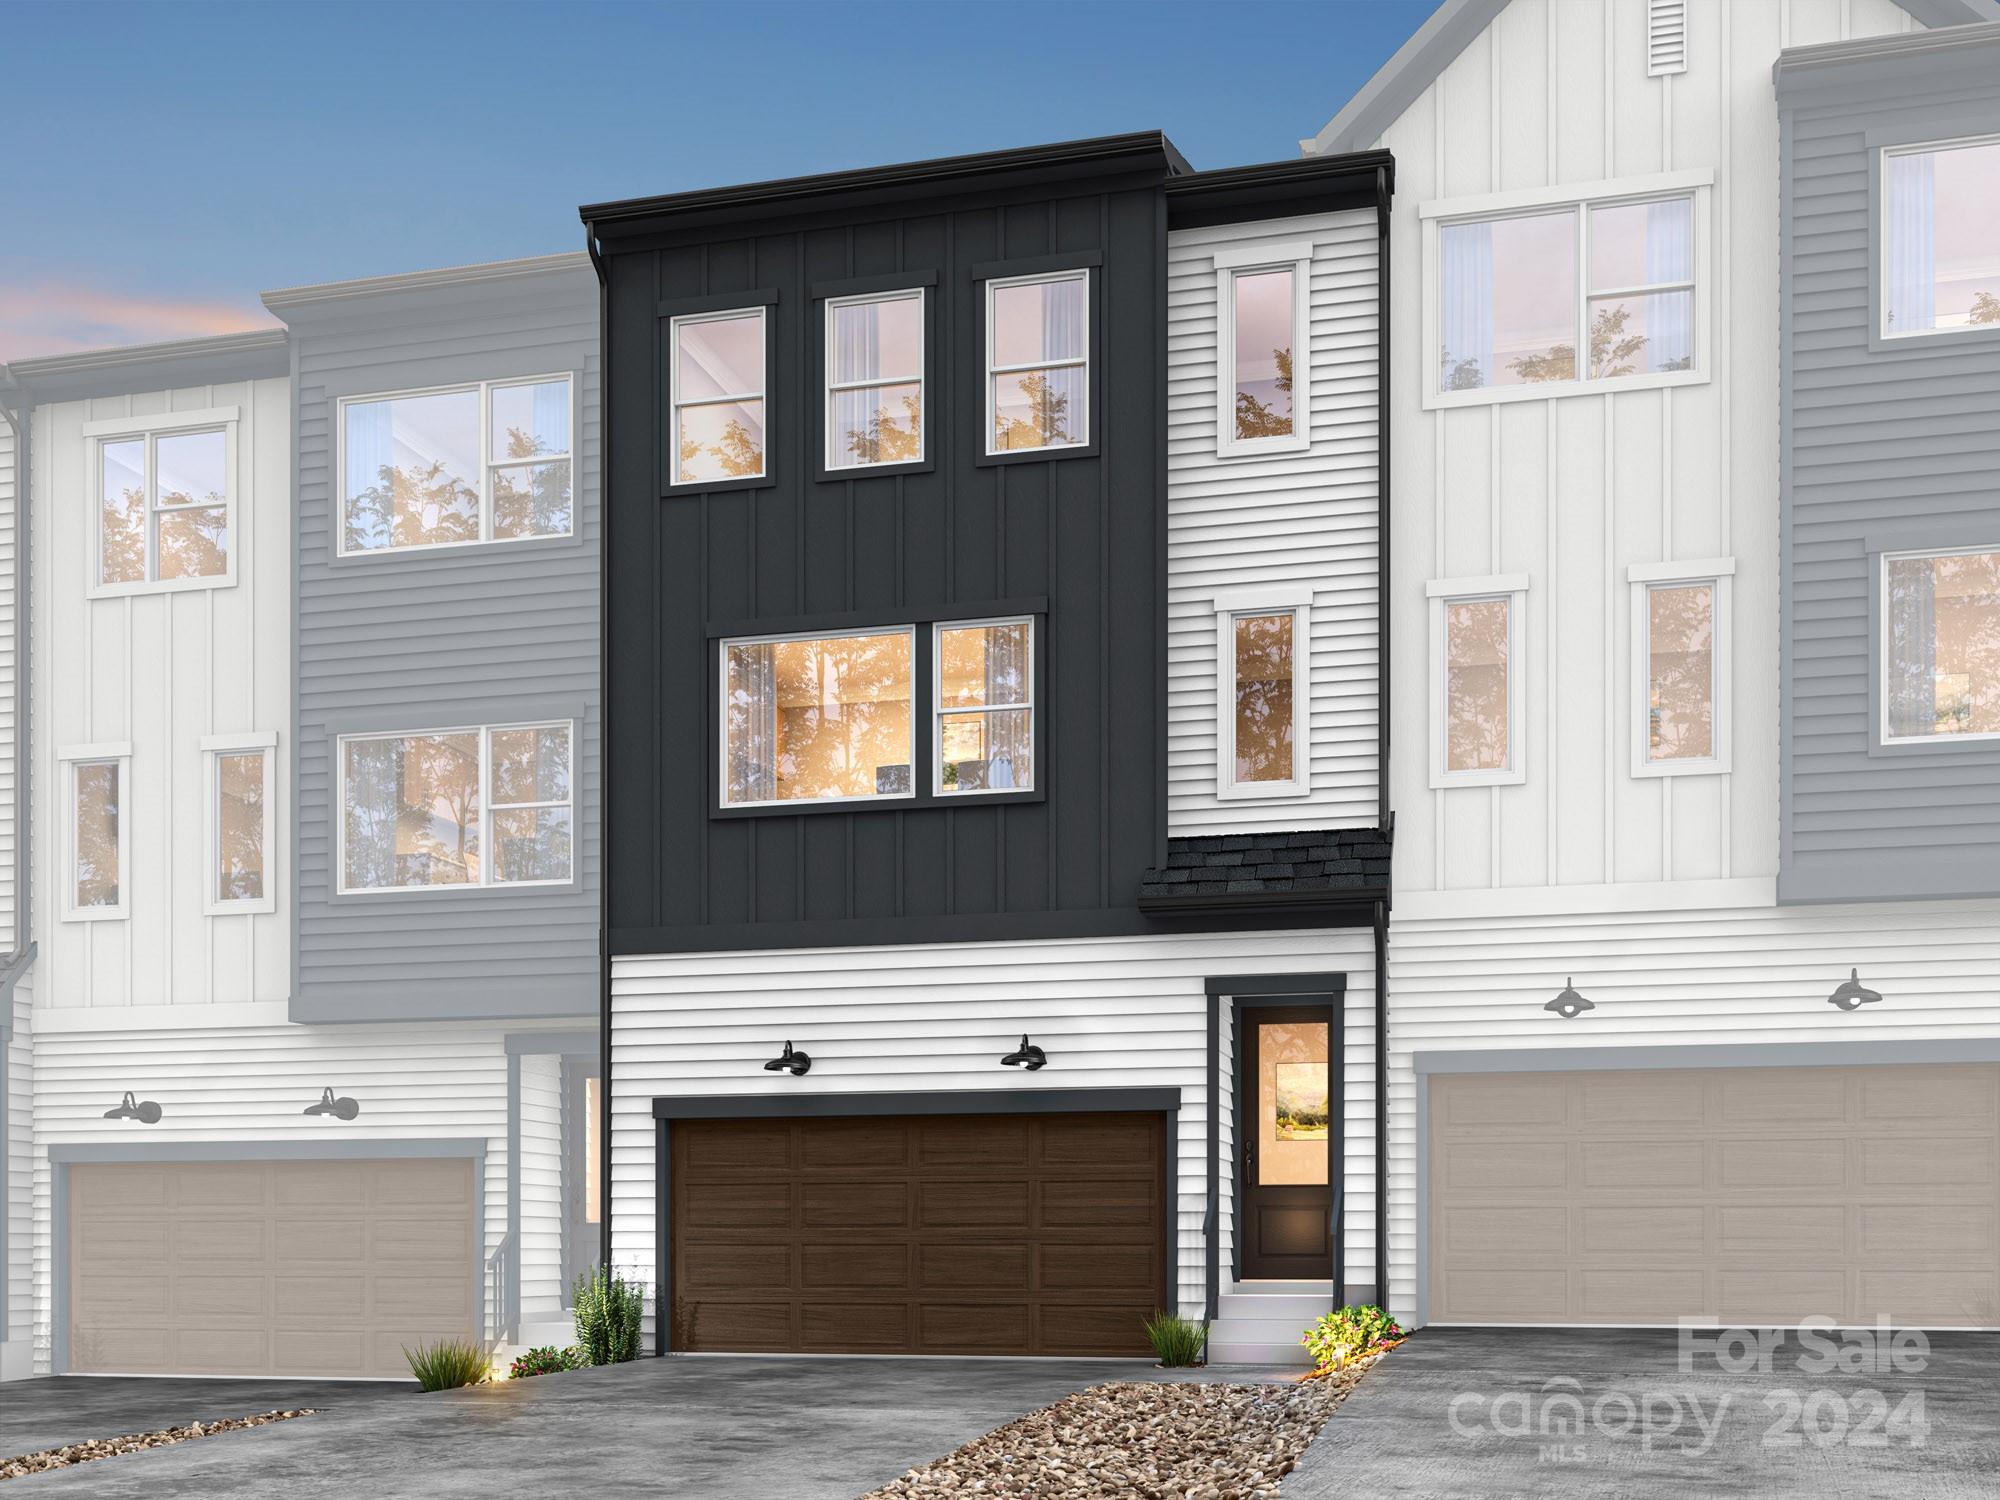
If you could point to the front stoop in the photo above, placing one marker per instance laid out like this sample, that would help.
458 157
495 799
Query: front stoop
1261 1322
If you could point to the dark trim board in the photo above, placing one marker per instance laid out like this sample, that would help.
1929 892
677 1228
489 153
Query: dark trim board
1163 1101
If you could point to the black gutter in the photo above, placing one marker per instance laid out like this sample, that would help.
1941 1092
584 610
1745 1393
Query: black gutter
1278 189
1385 185
1357 904
1382 1103
604 753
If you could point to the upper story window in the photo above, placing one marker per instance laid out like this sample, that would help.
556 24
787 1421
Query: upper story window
96 831
1680 638
1038 362
239 801
822 718
985 706
1941 238
875 380
456 807
1262 334
1263 645
1940 645
1509 293
1476 635
477 463
164 502
717 393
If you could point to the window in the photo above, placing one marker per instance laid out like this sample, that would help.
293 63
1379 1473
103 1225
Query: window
479 463
1511 291
1475 681
239 802
985 707
717 380
1038 362
163 507
1941 222
97 835
1263 645
457 807
1263 335
1941 645
819 718
875 380
1680 667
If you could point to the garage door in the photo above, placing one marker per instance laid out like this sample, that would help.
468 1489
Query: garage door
964 1234
267 1268
1748 1195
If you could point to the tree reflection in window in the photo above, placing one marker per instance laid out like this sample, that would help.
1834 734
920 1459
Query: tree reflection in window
1680 708
239 800
95 858
812 718
163 509
1264 707
1477 649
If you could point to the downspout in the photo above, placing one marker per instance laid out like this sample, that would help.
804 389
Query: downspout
1384 188
23 948
604 755
1382 1104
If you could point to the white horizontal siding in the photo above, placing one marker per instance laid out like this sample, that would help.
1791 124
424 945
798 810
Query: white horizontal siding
1756 974
10 669
541 1186
1307 517
17 1275
1111 1012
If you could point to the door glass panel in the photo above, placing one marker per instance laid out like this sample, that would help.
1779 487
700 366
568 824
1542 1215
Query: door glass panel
1293 1103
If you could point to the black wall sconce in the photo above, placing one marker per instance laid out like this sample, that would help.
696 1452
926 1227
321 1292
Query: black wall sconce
1027 1055
342 1108
1569 1004
1852 994
145 1111
798 1064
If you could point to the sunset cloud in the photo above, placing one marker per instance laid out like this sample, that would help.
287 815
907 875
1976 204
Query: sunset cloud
59 318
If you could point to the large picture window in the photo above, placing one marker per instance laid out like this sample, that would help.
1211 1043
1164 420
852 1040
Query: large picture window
819 718
1940 230
164 499
875 380
716 375
985 707
457 807
478 463
1476 633
1038 362
1941 645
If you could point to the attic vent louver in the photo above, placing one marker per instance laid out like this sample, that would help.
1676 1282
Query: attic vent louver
1666 37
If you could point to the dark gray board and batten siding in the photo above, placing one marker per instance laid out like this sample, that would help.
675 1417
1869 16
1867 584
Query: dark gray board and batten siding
1884 446
442 638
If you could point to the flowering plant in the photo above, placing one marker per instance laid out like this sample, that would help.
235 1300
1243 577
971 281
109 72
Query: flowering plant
1347 1333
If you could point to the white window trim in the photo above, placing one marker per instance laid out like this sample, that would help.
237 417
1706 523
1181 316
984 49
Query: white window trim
938 710
762 313
991 369
1641 578
1880 584
486 810
1241 260
722 717
1442 591
1880 234
487 465
223 419
214 747
920 295
118 753
1697 185
1265 599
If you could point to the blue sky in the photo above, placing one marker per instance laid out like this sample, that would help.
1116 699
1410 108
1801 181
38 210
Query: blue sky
167 162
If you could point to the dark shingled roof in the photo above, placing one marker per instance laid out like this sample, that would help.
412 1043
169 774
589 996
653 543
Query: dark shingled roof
1319 867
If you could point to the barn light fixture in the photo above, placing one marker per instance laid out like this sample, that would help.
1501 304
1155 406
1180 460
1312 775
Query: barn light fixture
342 1108
1026 1056
798 1064
1852 993
145 1111
1569 1004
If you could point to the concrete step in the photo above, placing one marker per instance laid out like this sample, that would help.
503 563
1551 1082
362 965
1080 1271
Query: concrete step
1252 1352
1301 1307
1259 1330
1283 1289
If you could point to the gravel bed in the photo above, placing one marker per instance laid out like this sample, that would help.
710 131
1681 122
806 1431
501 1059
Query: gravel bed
1159 1442
166 1437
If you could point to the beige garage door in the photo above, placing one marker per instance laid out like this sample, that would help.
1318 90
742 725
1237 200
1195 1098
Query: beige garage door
267 1268
1747 1195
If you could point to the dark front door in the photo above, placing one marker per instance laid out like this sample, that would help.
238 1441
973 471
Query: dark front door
1286 1095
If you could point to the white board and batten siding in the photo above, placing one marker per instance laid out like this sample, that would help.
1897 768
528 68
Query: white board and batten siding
10 677
1306 517
162 672
1111 1013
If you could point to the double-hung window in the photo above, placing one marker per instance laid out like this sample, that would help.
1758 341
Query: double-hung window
1680 667
1038 362
490 462
239 823
165 497
1263 646
716 380
1940 252
1940 646
875 380
985 705
457 807
96 831
1262 294
1559 296
1476 638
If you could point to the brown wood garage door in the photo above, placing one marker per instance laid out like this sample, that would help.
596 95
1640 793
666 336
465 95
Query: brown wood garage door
960 1234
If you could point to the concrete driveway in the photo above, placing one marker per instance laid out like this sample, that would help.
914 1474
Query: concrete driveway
717 1427
1462 1412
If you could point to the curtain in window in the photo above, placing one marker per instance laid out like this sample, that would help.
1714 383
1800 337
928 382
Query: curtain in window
552 417
1912 666
857 355
369 505
1466 315
1911 208
1062 420
753 723
1670 257
1009 736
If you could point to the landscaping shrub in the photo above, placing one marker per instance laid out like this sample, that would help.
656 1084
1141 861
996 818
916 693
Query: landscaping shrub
544 1361
1348 1333
1176 1340
448 1363
608 1313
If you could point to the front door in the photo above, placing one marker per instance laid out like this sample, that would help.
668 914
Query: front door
1288 1143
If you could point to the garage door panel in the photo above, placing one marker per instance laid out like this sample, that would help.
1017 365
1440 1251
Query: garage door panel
972 1327
1646 1234
305 1351
1097 1268
1638 1102
192 1241
219 1351
1934 1296
1781 1164
851 1146
1006 1267
974 1205
1780 1292
735 1205
1782 1096
117 1189
219 1185
320 1186
760 1146
734 1268
825 1267
846 1326
1928 1162
1502 1101
222 1299
1506 1236
1605 1296
1955 1096
1503 1296
314 1297
429 1184
399 1241
138 1349
1504 1167
1956 1235
1761 1232
119 1241
323 1241
1099 1203
111 1296
1095 1328
1642 1165
762 1326
1087 1140
972 1142
855 1205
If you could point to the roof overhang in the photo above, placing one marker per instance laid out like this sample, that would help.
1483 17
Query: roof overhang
259 354
566 274
1281 189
